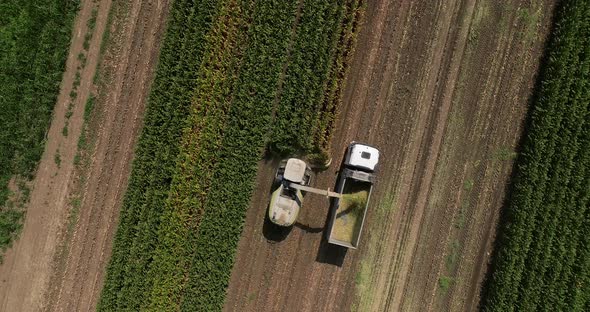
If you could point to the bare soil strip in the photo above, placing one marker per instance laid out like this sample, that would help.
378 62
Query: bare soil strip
36 275
442 88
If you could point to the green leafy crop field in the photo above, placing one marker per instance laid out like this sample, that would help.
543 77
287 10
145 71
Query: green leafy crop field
34 41
229 71
542 262
311 91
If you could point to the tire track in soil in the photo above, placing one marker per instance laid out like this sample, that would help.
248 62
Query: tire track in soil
132 67
499 60
434 120
455 43
491 82
426 115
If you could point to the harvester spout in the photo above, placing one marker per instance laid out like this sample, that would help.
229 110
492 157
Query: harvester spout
326 193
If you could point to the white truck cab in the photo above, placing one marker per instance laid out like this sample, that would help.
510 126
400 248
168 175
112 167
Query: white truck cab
362 156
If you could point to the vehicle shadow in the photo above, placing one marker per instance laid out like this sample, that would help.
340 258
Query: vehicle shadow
308 229
274 233
331 254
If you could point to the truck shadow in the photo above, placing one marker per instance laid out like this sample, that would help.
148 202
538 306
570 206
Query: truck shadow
331 254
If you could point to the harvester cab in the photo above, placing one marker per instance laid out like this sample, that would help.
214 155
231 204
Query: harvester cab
286 199
292 182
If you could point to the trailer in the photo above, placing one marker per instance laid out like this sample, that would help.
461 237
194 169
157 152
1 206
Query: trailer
355 183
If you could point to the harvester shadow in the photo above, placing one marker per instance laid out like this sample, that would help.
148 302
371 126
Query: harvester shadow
274 233
307 228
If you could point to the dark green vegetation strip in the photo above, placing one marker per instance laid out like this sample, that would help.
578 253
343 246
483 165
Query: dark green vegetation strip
200 151
219 81
167 114
342 53
306 73
543 256
311 93
34 42
241 148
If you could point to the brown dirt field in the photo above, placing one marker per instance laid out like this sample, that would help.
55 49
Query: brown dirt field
58 264
442 88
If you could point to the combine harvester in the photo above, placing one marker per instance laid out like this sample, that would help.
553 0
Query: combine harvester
350 198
